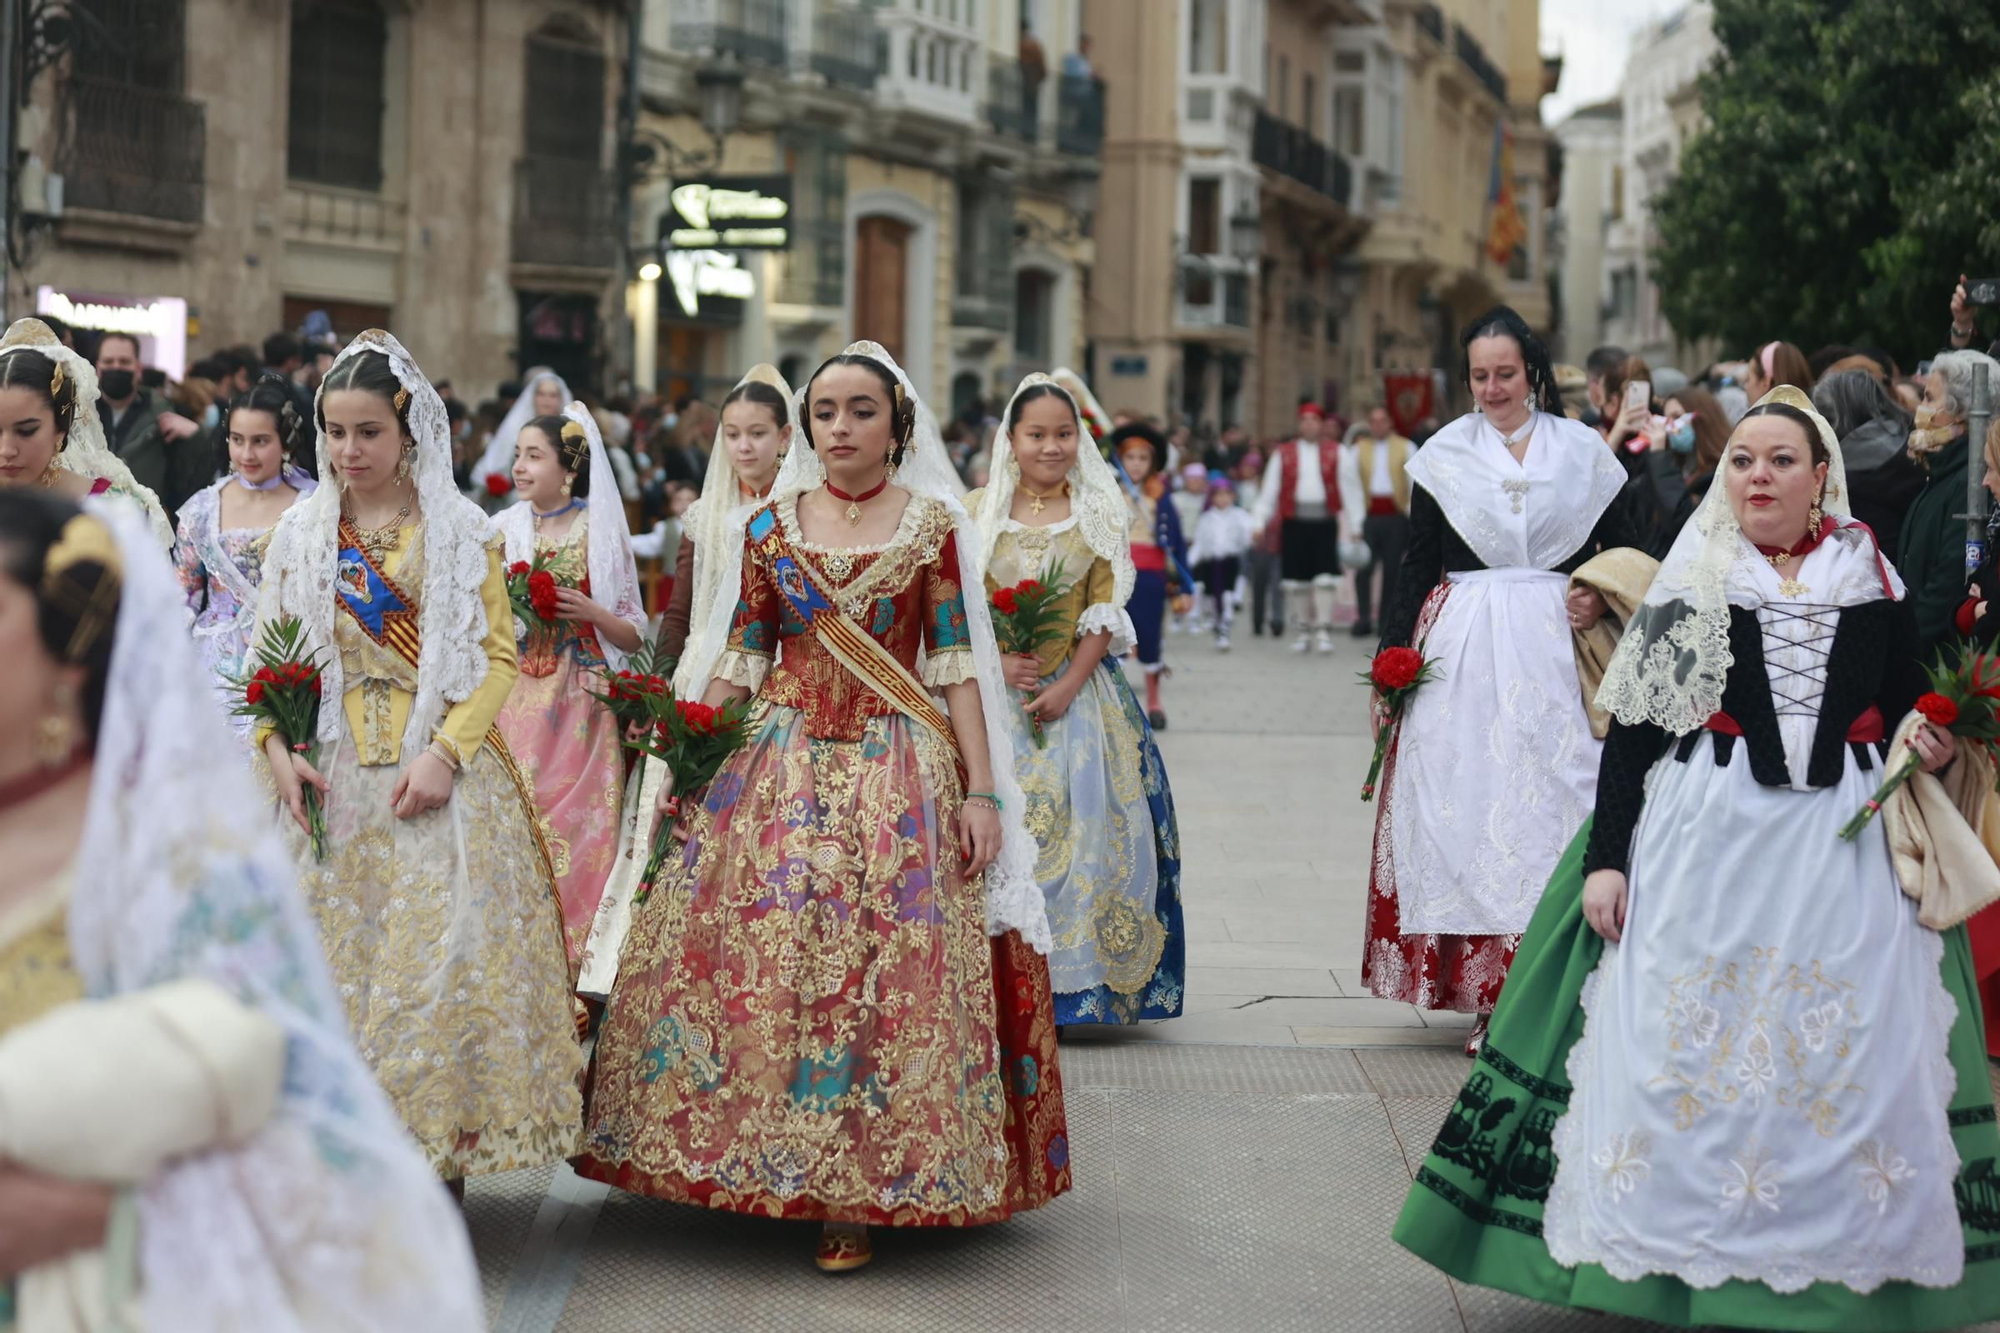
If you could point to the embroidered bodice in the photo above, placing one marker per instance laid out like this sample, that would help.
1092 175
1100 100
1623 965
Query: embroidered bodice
366 660
1024 552
904 594
37 971
568 558
212 598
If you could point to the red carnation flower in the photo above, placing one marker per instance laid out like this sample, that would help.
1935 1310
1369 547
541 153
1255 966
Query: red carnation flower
1396 668
266 675
1028 588
254 694
498 484
1004 603
518 568
1938 710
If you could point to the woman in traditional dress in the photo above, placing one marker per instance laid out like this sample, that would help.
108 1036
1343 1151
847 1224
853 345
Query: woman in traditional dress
810 1020
1734 1080
225 528
1158 551
1494 764
436 899
1097 796
44 382
543 394
191 1140
751 439
571 522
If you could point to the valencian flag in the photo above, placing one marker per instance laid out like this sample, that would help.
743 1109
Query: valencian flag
1504 228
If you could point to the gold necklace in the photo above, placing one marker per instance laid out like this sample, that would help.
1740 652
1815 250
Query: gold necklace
377 541
1788 586
1037 507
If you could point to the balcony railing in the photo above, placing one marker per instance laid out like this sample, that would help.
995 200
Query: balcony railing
846 47
1431 19
1211 297
754 31
1010 99
1473 55
1290 151
1080 115
563 213
352 217
132 150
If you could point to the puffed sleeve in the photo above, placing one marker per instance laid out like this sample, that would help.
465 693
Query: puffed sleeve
466 724
947 634
753 634
1101 611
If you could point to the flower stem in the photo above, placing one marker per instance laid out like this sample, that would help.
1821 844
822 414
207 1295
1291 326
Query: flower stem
1901 774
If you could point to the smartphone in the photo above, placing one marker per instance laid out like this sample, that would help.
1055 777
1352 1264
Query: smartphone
1638 393
1982 291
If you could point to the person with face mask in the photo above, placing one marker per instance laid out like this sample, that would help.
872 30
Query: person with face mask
1933 545
157 443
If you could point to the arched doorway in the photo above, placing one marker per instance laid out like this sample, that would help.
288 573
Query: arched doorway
881 280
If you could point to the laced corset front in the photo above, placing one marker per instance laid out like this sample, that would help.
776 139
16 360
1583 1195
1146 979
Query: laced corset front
1798 647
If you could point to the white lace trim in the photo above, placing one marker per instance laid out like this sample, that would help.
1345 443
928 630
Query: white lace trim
954 668
746 669
1116 619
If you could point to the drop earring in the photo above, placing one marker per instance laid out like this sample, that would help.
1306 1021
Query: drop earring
1814 517
567 482
403 465
55 735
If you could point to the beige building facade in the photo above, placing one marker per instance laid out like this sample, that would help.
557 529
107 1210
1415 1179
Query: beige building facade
441 169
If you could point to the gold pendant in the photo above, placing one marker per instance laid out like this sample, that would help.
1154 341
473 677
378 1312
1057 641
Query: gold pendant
1793 588
1037 507
853 515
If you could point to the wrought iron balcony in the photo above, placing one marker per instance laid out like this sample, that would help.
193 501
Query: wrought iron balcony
1080 115
563 214
846 47
1290 151
125 149
1010 100
754 31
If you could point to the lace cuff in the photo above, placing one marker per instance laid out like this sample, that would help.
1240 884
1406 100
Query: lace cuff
1105 616
948 666
741 668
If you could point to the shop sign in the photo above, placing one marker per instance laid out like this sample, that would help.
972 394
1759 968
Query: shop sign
160 323
729 213
713 274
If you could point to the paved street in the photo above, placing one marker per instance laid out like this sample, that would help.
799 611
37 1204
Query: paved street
1238 1168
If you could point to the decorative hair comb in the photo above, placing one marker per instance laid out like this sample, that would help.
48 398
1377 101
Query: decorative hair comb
84 539
402 399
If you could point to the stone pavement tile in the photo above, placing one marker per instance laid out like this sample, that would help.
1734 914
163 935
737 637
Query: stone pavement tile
1415 1121
499 1211
1263 980
1201 1001
1214 1070
1336 1012
1262 954
661 1266
1349 980
1386 1037
1417 1073
1222 1229
1252 925
1449 1018
1214 1027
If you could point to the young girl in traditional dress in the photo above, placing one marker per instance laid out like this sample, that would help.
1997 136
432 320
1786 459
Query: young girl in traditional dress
1159 551
755 430
1097 794
226 528
436 899
565 739
543 394
1735 1079
810 1019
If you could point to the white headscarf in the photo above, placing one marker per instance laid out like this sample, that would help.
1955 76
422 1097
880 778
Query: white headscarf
300 566
499 456
329 1215
1013 897
1096 499
714 524
614 572
84 451
1673 661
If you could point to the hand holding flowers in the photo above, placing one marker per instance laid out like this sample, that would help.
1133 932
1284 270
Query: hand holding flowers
1394 675
283 694
1963 704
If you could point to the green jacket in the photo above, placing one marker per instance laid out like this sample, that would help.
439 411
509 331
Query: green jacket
1933 548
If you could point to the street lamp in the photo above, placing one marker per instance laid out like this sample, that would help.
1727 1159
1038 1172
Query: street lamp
649 272
1246 236
655 157
721 85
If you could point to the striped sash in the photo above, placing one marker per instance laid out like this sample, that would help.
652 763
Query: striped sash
385 612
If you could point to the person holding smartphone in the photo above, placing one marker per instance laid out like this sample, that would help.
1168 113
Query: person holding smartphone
1971 292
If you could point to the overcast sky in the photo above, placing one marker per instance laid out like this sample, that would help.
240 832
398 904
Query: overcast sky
1593 37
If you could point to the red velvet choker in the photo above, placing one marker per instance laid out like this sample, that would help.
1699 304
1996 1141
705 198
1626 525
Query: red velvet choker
38 780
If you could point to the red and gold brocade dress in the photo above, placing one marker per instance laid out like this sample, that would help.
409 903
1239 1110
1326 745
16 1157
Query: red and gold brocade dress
810 1020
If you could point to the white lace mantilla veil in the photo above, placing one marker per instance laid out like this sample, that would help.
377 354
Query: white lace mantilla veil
614 571
85 453
329 1217
300 565
499 455
1098 502
714 523
1013 897
1673 661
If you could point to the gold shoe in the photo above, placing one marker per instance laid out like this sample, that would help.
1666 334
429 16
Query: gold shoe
843 1251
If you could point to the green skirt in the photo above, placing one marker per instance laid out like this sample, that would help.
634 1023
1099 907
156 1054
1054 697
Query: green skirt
1475 1210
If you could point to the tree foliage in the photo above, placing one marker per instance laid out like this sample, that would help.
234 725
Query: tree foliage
1847 172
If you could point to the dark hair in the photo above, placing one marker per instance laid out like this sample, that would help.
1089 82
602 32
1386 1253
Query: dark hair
271 393
26 368
902 409
279 348
1030 394
31 522
571 455
104 338
760 393
1850 399
1615 379
1881 358
1797 418
1826 356
370 372
1142 433
1602 359
1502 322
1788 366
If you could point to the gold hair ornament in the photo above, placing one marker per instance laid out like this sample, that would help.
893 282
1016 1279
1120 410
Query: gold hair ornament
56 380
402 399
84 539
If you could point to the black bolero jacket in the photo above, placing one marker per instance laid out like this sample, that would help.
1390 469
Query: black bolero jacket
1873 661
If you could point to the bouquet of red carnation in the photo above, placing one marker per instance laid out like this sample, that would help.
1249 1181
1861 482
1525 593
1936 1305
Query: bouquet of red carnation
1025 622
498 484
693 740
645 677
1395 674
1964 699
532 589
284 694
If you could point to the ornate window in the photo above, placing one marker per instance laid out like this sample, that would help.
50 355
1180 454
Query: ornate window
337 92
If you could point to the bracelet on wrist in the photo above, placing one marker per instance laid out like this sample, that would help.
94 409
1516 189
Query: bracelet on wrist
1957 332
442 749
989 797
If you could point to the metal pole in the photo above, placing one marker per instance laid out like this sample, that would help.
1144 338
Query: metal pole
1976 421
628 125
